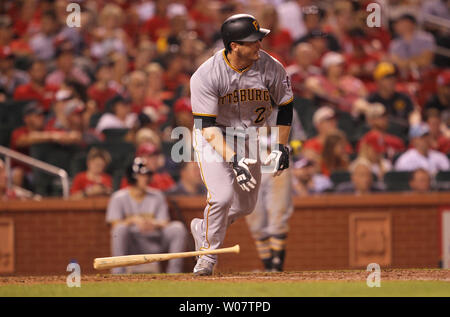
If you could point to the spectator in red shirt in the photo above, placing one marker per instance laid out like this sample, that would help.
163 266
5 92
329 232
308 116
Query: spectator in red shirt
141 101
103 89
373 148
378 121
37 89
360 61
174 76
32 132
94 181
325 122
159 24
336 86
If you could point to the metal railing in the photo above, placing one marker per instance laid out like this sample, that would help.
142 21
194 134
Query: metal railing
11 154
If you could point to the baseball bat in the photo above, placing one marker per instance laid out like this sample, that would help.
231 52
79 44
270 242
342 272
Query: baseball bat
126 260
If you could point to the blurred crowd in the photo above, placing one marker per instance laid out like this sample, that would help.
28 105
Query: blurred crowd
371 103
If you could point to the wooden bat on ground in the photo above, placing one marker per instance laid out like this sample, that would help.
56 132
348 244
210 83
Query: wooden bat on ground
126 260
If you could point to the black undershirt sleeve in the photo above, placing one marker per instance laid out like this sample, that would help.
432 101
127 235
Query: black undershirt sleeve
201 122
285 113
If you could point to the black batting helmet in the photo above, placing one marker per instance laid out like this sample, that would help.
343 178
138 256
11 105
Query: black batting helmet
241 28
138 167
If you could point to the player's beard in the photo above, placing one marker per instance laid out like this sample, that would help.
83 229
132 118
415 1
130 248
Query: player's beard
247 58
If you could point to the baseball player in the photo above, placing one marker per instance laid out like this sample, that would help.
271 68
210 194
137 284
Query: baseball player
236 90
268 223
140 220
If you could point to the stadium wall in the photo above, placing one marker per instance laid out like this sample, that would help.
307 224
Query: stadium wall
326 232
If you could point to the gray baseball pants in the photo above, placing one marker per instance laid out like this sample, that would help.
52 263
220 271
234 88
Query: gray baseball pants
226 201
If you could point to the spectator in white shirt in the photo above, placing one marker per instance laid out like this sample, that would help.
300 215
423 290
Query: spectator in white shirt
421 155
119 115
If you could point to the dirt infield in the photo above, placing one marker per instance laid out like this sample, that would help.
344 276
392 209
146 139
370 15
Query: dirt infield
305 276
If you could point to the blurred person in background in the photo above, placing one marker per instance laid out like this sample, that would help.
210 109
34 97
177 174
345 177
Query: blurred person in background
314 18
420 181
398 105
156 94
19 45
118 115
183 110
190 182
109 37
291 17
103 89
137 83
36 89
372 148
146 53
140 220
71 130
341 22
441 99
94 181
413 49
279 41
66 68
306 180
334 156
10 76
362 180
174 75
158 25
440 139
421 155
302 68
377 120
336 87
361 62
23 137
43 42
325 122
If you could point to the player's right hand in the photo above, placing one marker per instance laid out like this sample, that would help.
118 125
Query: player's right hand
242 172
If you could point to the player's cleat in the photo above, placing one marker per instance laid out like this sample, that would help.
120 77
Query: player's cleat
203 268
196 232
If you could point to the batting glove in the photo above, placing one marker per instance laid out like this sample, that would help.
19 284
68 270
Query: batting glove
242 172
280 157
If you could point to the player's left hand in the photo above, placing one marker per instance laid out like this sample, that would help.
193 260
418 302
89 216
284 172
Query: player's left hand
280 157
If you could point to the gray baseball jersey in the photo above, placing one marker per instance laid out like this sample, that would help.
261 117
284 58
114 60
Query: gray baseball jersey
121 206
239 98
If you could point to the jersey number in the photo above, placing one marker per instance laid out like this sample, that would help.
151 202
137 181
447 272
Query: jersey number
260 111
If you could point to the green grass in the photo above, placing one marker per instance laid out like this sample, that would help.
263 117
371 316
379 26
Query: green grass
159 288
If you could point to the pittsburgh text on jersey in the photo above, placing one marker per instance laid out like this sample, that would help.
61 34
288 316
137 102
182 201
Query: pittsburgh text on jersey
244 95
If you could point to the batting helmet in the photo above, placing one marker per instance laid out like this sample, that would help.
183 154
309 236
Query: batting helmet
138 167
241 28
